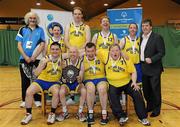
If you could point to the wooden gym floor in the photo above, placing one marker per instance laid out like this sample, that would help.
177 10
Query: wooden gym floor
11 114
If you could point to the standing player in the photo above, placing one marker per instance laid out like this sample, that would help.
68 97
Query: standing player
130 47
77 33
104 39
57 37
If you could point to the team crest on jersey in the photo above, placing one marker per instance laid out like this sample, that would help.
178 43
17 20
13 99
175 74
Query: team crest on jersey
91 71
77 34
104 46
130 50
116 69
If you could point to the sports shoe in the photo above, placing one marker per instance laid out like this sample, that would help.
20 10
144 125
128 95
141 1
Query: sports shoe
51 118
62 116
81 117
145 122
27 119
37 103
123 120
90 118
70 102
104 119
22 105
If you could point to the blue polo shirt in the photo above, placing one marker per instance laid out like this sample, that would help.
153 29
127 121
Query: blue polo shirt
30 39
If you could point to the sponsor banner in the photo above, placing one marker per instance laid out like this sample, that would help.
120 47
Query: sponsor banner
121 18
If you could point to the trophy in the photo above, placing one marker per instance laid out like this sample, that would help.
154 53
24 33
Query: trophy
70 73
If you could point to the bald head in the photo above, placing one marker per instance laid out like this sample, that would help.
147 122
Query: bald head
73 53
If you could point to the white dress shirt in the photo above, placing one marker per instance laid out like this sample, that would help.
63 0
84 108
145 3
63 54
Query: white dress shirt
143 45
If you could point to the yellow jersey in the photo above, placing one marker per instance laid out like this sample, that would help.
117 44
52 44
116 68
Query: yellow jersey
77 64
77 35
131 48
104 42
93 69
52 72
61 42
118 72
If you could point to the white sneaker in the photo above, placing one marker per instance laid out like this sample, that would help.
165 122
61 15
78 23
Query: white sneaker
123 120
37 103
51 118
22 105
62 116
26 119
145 122
70 102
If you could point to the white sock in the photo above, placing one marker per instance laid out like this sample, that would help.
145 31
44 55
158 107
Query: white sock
90 111
64 108
104 111
80 109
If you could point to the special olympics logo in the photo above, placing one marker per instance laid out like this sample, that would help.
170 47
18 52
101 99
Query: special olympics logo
124 31
124 14
50 26
50 17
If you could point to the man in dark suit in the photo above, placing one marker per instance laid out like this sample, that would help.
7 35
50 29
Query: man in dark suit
152 50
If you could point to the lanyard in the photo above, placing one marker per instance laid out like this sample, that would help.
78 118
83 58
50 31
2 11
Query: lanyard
92 66
113 63
56 39
133 44
54 65
76 63
105 38
77 28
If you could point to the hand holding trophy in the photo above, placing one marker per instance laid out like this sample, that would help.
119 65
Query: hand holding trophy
70 73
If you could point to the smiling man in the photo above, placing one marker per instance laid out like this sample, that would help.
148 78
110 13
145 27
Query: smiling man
104 39
152 52
49 72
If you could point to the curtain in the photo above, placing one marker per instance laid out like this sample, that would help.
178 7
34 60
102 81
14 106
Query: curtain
9 54
172 43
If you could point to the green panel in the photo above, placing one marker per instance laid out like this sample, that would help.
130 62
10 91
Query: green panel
172 44
8 48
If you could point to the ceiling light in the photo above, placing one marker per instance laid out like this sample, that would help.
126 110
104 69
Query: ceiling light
106 4
38 3
72 2
138 4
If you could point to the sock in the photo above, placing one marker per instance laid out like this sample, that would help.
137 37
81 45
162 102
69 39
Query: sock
90 111
80 109
53 110
104 111
29 110
64 108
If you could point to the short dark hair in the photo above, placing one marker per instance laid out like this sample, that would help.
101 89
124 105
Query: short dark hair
147 21
90 45
56 25
55 43
134 24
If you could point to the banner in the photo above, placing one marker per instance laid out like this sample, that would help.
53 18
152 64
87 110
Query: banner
50 17
121 18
